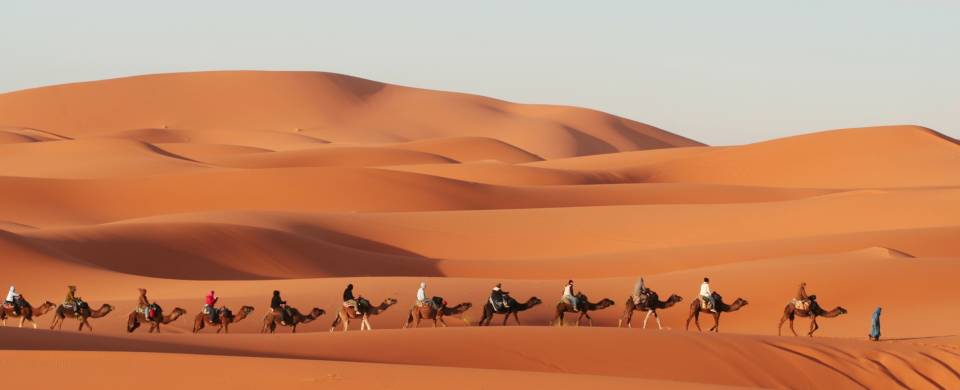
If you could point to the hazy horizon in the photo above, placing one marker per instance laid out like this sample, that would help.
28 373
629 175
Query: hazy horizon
718 73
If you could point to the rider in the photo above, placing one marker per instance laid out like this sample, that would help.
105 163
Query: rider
72 301
570 297
498 295
143 304
422 297
349 300
278 305
13 299
639 290
707 295
211 300
802 299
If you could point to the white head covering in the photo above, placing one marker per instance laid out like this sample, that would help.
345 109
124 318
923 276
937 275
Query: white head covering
423 284
12 289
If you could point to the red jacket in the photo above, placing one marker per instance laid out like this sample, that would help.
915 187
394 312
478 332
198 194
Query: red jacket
211 299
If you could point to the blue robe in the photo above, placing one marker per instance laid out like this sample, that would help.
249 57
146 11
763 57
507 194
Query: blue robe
875 324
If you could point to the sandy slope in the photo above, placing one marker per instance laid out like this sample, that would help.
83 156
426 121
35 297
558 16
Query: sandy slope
246 182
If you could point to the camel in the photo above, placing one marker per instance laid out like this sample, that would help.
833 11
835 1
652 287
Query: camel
514 308
427 312
85 313
650 305
224 319
344 315
791 311
564 307
27 312
696 308
136 317
272 319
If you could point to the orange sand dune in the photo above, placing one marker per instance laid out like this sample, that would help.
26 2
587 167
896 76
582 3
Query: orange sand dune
303 182
894 156
334 107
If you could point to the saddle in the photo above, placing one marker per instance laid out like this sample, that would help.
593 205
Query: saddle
213 313
641 300
802 305
499 307
152 312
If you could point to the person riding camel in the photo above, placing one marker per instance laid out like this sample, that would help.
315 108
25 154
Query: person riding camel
72 301
570 297
349 301
640 291
707 296
278 305
422 297
143 304
803 301
208 306
13 299
498 296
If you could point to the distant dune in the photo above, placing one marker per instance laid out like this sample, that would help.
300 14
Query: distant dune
247 182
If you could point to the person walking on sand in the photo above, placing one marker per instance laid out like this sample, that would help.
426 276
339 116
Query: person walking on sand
875 326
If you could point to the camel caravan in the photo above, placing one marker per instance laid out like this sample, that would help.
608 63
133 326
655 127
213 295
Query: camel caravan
435 309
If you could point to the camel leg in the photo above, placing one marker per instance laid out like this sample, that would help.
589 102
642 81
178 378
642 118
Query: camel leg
645 318
629 317
346 323
505 318
442 322
696 321
716 322
21 322
294 330
813 326
791 326
34 324
516 317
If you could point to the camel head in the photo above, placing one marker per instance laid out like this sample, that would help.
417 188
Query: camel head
740 302
48 305
178 312
317 312
388 302
604 303
674 298
835 312
246 310
461 308
533 302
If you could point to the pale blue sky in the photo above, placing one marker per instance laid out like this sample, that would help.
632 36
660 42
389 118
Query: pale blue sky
722 72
